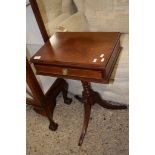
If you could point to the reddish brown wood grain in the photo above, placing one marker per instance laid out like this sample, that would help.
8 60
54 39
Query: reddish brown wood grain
75 51
39 19
70 55
71 72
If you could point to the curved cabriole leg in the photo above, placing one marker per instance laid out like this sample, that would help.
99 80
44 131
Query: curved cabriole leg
107 104
43 104
87 109
104 103
67 100
49 111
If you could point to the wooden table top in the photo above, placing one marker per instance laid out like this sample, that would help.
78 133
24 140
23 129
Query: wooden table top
78 49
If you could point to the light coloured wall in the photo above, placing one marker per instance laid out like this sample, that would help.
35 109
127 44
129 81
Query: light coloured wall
33 35
27 1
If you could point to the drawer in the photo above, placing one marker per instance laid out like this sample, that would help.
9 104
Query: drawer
68 72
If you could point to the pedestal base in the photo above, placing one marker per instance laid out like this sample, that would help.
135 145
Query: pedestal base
89 98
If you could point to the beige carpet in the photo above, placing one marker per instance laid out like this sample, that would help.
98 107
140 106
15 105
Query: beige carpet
107 132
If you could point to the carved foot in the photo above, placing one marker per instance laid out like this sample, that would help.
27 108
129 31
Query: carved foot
67 100
81 139
53 126
87 109
112 105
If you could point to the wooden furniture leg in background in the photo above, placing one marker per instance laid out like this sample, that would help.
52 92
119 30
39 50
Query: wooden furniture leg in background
90 97
45 104
39 19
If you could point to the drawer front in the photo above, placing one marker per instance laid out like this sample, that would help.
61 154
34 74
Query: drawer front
70 72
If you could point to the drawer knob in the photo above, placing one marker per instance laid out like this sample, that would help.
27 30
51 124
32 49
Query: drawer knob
65 71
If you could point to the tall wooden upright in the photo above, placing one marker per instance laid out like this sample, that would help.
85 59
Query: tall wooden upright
39 20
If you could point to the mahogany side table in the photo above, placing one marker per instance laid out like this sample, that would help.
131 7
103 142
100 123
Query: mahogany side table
85 56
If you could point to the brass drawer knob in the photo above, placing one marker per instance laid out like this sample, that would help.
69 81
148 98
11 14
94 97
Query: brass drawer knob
64 71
